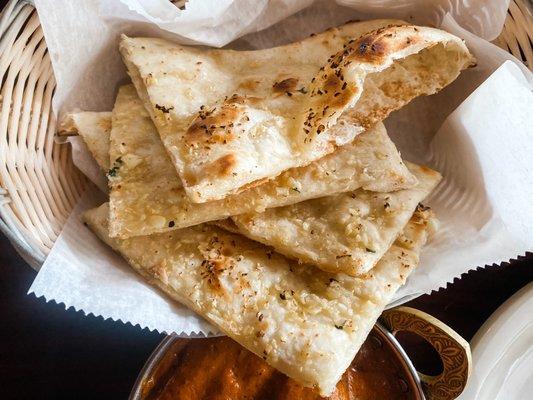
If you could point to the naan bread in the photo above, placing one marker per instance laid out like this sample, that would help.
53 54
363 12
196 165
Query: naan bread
306 323
94 128
347 232
231 118
147 196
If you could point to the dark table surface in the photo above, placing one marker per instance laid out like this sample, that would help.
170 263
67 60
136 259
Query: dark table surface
49 353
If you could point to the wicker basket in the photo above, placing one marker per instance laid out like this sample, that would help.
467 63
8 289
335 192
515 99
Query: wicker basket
39 184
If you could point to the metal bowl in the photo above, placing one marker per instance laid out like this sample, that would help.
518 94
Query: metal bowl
454 352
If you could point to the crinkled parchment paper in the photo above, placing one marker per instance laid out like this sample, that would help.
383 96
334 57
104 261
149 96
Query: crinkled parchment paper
477 132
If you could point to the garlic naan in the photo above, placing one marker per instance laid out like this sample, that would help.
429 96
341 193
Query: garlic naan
347 232
307 323
147 195
230 119
94 128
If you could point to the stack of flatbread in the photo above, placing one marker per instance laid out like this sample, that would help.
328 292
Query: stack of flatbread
260 188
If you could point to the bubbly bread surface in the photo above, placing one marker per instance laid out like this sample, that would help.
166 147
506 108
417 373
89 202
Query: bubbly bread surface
147 195
347 232
307 323
230 119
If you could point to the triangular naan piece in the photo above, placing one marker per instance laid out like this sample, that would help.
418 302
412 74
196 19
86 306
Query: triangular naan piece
147 196
348 232
94 128
305 322
231 118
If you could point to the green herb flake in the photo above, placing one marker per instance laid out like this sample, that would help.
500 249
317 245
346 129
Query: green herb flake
116 165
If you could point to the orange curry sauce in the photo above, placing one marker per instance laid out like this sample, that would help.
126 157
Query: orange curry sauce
219 368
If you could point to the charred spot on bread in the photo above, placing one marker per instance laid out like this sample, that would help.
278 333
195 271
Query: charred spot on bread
216 125
224 165
286 85
164 109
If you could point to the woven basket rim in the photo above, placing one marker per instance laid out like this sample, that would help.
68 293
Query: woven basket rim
30 255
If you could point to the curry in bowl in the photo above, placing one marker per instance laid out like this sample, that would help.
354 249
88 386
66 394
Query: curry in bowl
219 368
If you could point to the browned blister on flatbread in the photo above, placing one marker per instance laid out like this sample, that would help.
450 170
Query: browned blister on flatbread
230 118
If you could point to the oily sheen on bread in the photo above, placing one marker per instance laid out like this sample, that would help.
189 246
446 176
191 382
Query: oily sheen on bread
348 232
94 128
307 323
230 119
147 195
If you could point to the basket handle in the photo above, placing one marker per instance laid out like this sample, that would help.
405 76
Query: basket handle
453 350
